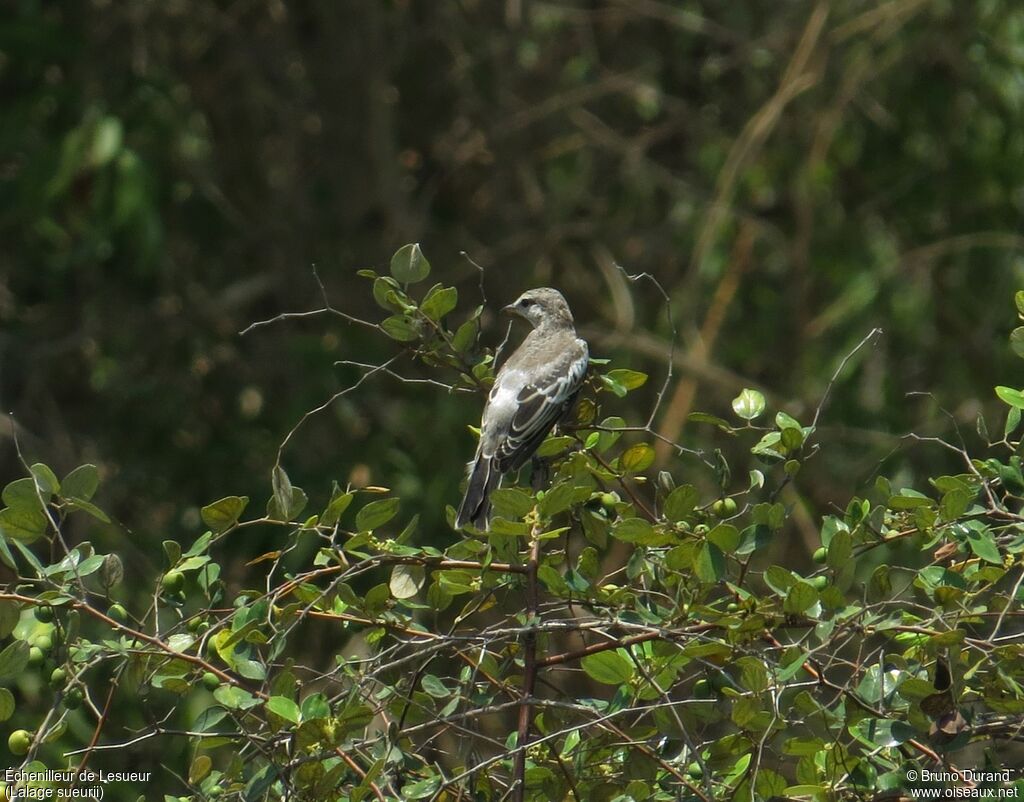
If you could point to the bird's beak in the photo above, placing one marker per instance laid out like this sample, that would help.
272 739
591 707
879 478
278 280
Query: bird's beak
509 310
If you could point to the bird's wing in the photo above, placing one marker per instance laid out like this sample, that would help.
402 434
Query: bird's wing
540 403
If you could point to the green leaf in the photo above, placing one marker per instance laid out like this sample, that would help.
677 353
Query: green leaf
607 439
511 502
801 597
376 513
6 704
223 514
639 531
288 501
983 543
111 571
375 598
46 479
1018 299
791 438
89 508
10 613
753 674
714 420
282 486
554 446
435 687
725 536
786 421
779 579
235 698
337 506
421 789
388 294
316 706
681 502
749 404
22 524
902 502
22 494
553 580
561 497
608 668
788 671
955 503
1015 398
1017 341
882 732
1013 415
172 550
637 458
629 379
465 336
840 549
199 769
406 580
401 328
612 385
709 564
285 708
13 659
439 302
409 265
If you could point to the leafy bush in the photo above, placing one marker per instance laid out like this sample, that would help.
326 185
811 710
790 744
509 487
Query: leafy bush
620 634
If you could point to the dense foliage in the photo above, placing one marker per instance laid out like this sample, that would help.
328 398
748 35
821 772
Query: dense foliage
794 176
617 635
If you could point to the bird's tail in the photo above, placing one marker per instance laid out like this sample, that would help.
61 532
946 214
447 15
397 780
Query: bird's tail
476 504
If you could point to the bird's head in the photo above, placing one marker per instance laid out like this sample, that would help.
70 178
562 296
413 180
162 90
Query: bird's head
541 306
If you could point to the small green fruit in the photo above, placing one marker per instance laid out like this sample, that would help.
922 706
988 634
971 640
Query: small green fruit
694 771
197 624
73 698
720 680
19 741
36 656
211 681
118 613
44 643
732 607
58 677
819 582
718 508
173 581
702 689
44 613
609 500
819 555
730 506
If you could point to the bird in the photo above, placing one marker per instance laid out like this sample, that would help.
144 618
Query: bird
534 388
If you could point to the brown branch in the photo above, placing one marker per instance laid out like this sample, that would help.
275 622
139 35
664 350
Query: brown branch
530 665
99 728
817 673
618 643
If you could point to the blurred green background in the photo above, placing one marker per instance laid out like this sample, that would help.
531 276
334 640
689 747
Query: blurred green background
794 174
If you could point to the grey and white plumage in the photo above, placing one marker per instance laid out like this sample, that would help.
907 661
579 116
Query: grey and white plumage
534 388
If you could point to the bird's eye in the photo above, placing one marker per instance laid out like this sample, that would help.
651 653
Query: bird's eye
526 302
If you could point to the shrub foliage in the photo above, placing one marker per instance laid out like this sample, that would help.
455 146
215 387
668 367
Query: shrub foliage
622 633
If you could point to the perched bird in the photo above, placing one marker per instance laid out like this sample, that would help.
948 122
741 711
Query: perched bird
533 389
